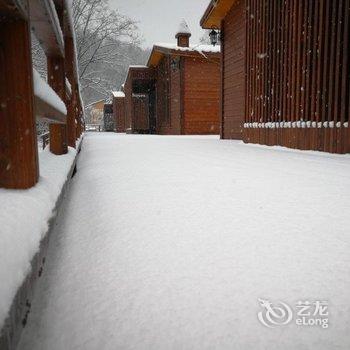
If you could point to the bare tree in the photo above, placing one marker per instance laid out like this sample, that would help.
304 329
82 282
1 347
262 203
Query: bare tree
103 36
107 43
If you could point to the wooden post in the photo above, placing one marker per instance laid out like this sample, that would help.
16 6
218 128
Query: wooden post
69 67
19 167
56 79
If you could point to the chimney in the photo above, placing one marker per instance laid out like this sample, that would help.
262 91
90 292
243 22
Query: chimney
183 35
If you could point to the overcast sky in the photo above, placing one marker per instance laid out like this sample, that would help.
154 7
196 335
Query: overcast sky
159 19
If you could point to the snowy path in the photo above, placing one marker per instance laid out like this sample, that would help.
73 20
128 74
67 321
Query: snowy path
168 242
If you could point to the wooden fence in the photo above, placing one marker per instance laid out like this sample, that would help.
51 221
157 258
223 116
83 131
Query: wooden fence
298 65
24 96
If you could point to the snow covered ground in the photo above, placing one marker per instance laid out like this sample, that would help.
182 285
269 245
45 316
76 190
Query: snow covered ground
169 242
24 217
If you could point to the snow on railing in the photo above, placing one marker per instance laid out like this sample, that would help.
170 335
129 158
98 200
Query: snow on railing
48 98
58 101
24 95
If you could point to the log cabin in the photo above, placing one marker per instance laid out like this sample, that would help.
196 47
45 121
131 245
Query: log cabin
285 72
139 89
188 86
119 110
177 93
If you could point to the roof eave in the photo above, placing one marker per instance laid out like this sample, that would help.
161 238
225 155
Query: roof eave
215 13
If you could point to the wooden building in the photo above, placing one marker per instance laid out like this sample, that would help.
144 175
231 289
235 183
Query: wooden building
285 72
139 89
178 91
188 86
119 110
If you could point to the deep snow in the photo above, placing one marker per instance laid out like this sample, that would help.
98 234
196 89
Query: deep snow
24 217
168 242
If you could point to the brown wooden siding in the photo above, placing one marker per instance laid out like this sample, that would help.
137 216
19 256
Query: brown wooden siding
163 96
176 98
119 113
140 112
297 74
233 72
169 97
128 105
143 76
201 84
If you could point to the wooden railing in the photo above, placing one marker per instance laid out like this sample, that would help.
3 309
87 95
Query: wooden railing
24 96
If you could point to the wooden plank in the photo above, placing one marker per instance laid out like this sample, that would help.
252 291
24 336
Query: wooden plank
345 83
46 27
337 80
57 80
18 143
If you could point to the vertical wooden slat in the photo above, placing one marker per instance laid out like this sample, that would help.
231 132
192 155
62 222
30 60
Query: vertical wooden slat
19 167
345 88
222 80
253 55
336 145
331 83
315 59
326 75
304 97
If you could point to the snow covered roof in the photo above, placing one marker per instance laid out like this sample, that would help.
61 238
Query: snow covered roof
192 48
161 49
118 94
183 29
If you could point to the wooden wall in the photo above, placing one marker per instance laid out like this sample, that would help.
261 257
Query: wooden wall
201 92
297 92
140 112
128 104
119 113
146 75
168 97
163 97
233 71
